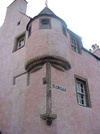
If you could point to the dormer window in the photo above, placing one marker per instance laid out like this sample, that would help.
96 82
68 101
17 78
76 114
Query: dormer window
75 44
45 23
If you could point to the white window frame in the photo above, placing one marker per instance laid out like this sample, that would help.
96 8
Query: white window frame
74 44
82 92
20 42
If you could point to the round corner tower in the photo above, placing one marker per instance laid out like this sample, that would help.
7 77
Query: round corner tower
47 42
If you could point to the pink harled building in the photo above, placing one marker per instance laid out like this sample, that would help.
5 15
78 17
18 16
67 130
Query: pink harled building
49 83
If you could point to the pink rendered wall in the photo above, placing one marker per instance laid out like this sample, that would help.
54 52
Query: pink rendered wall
11 64
22 104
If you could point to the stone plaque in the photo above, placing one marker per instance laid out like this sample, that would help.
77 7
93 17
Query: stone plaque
59 87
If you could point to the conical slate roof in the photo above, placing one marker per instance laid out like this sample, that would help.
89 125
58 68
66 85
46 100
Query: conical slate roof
46 10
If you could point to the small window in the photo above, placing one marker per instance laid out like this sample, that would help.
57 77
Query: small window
64 30
45 23
18 23
19 42
29 31
82 92
74 44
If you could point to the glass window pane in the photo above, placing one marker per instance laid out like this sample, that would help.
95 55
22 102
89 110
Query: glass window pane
20 43
82 92
45 23
74 44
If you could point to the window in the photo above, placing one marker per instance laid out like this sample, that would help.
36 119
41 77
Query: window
18 23
82 92
45 23
64 30
29 31
74 44
19 42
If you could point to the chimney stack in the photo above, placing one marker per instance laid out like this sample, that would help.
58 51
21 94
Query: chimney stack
95 47
95 50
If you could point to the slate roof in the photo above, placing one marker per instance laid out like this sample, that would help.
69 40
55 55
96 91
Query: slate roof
46 10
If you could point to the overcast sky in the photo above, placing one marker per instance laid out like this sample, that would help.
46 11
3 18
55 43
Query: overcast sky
81 16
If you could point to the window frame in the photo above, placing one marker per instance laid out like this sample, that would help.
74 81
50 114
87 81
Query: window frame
85 93
29 31
17 39
76 45
44 26
64 30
